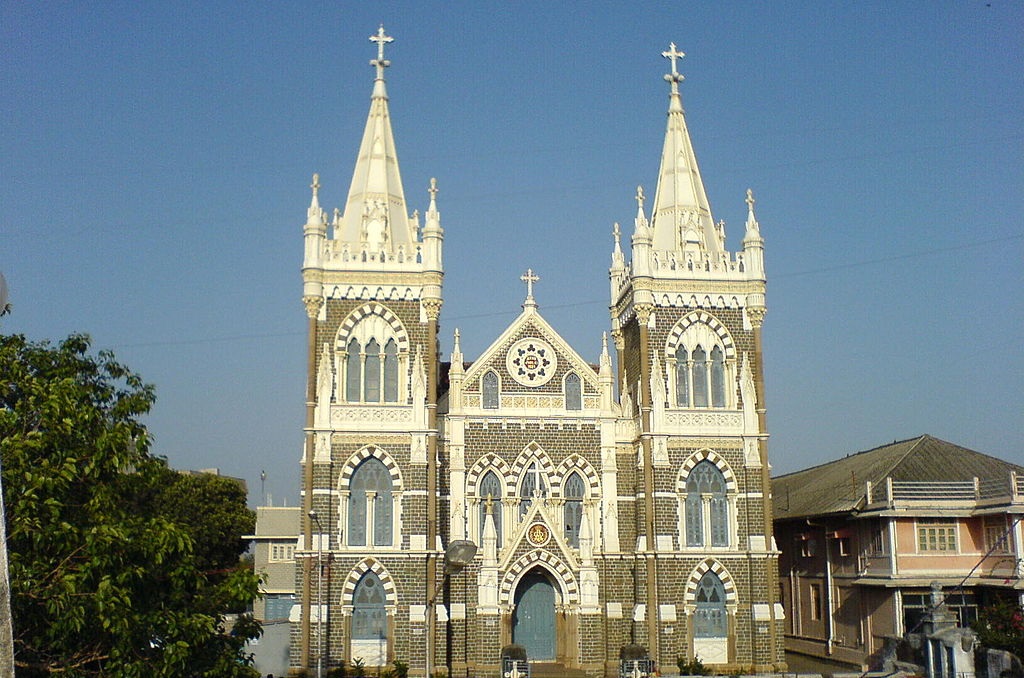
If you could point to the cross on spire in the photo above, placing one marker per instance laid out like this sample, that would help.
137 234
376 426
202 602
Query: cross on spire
529 278
380 62
675 77
433 189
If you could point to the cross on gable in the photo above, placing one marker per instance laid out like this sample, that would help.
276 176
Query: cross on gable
529 278
380 62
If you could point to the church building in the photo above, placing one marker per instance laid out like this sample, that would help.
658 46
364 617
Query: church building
526 496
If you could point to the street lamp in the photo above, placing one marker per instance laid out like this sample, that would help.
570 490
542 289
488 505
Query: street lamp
319 593
458 555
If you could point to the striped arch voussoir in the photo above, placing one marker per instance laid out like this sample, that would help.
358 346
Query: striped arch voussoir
366 310
370 451
714 458
555 567
705 318
357 572
711 565
531 451
489 462
575 462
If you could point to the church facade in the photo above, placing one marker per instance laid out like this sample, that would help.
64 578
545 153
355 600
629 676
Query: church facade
624 503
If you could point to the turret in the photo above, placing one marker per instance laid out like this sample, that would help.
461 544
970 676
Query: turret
315 233
753 243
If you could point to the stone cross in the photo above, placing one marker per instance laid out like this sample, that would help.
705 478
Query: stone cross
675 77
529 278
380 62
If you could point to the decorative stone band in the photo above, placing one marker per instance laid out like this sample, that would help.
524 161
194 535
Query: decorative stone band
722 422
343 416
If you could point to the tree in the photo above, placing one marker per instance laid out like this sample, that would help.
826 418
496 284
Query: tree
106 578
1000 626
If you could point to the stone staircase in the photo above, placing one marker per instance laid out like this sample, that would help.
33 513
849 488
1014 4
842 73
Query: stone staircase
552 670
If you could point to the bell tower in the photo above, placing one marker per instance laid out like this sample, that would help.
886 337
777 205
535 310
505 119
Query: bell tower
686 319
372 281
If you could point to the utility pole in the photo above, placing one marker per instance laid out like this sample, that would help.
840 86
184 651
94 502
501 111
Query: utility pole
6 627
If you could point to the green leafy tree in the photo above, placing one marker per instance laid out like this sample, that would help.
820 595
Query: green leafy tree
1000 626
107 578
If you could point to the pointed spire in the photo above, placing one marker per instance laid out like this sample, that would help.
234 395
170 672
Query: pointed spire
376 218
681 215
605 362
456 367
640 224
315 214
753 228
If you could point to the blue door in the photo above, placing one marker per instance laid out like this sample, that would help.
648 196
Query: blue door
533 621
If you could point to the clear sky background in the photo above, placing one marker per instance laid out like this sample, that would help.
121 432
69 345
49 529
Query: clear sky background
156 159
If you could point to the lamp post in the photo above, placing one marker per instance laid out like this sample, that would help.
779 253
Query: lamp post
319 594
458 554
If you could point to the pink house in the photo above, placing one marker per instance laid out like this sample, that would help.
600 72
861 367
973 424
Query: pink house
863 537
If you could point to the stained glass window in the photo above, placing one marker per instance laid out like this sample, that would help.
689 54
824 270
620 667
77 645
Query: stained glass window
371 476
369 616
574 493
353 374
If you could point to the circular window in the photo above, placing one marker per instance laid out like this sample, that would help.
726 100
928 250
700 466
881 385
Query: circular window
531 362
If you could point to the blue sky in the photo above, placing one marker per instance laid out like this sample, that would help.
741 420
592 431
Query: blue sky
156 159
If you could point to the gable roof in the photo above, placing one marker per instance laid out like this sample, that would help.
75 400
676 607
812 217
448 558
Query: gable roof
839 486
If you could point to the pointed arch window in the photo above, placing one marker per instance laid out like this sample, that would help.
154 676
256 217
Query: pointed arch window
706 506
490 501
700 377
371 366
573 392
717 377
574 493
353 372
682 377
709 618
490 391
391 372
370 505
369 614
533 485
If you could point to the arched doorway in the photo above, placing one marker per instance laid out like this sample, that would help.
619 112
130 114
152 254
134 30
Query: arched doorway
533 618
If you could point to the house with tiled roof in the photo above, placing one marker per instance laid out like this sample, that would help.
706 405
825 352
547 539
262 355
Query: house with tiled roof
863 538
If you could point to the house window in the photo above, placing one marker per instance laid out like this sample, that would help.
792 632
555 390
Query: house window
808 547
706 506
936 534
997 537
490 391
490 501
816 602
709 618
282 552
369 508
574 492
369 616
843 546
573 392
915 605
277 606
533 486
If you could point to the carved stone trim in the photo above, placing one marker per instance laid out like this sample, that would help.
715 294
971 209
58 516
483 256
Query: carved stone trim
396 415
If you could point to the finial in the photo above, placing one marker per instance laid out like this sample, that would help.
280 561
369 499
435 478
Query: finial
639 197
529 278
616 233
380 63
433 189
489 504
675 77
316 185
750 200
458 347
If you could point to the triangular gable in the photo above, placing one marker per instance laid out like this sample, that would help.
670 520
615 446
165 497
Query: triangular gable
531 323
540 521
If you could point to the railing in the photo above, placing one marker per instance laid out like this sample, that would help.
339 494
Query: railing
1008 489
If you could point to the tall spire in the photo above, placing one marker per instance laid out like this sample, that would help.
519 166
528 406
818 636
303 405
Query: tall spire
375 213
681 216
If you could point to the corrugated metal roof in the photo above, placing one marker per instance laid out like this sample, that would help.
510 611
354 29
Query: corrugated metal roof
839 486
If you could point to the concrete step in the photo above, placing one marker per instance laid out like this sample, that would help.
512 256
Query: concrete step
553 670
